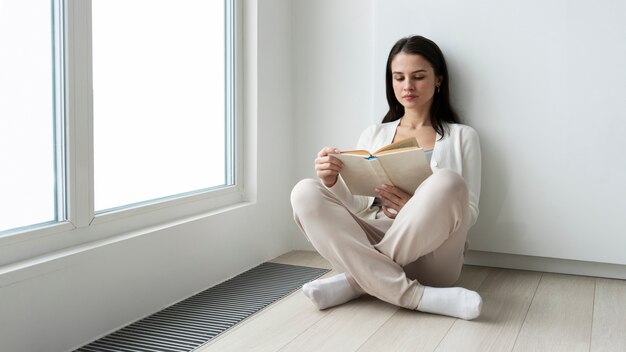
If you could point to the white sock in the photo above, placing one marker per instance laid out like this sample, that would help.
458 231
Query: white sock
453 301
329 292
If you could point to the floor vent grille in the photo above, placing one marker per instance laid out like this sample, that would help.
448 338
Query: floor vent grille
188 324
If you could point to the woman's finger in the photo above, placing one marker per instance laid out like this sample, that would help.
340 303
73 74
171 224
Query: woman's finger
329 160
396 191
387 204
328 166
391 215
389 198
401 196
327 150
327 173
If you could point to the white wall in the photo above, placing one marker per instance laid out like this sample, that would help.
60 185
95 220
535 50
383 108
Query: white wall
332 76
57 305
543 83
540 81
332 79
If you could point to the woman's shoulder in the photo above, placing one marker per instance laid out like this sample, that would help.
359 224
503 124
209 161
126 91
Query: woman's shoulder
383 127
380 128
377 135
459 130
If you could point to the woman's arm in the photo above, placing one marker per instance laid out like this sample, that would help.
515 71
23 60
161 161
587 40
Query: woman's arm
355 204
471 169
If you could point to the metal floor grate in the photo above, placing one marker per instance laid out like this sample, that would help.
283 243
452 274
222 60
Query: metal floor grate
190 323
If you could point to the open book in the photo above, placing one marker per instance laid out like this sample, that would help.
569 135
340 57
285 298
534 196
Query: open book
402 164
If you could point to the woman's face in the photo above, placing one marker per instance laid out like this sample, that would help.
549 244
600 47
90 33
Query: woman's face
414 81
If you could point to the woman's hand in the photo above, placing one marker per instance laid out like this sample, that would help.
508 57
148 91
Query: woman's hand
327 167
393 199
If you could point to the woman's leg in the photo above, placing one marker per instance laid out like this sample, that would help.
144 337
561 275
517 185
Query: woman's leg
437 212
428 238
345 241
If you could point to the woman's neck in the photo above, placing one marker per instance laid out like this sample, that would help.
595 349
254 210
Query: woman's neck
415 119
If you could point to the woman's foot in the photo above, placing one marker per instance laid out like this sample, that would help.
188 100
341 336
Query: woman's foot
330 292
456 302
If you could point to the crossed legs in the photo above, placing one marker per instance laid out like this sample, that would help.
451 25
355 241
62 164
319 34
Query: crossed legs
389 259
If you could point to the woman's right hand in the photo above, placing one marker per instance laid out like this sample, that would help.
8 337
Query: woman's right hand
327 167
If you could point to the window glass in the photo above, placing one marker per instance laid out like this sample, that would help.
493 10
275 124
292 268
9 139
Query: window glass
28 192
159 99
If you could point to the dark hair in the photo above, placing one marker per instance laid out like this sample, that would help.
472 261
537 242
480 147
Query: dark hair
441 111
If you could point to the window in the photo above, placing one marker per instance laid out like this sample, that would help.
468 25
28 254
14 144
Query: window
30 186
158 131
159 99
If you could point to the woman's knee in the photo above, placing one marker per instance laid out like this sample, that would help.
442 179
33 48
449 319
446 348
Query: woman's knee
306 193
450 183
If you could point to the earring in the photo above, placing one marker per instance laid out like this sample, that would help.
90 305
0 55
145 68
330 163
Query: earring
438 88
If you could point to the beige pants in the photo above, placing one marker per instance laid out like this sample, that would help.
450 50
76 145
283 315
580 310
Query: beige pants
391 259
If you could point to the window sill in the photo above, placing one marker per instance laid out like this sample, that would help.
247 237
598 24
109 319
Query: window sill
50 243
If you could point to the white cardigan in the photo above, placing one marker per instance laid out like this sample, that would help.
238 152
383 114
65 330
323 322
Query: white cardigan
458 151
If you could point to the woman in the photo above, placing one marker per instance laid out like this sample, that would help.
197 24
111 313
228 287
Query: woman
404 249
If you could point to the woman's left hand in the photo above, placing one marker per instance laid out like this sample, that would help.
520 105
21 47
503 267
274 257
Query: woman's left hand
393 198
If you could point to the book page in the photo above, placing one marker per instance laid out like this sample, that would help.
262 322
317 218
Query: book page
363 153
406 170
398 150
405 143
359 174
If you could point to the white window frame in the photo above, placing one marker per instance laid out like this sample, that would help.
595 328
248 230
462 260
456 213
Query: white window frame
83 227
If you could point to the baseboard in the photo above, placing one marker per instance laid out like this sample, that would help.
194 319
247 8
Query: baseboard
551 265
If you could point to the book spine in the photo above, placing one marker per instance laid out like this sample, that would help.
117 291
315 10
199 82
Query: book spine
377 168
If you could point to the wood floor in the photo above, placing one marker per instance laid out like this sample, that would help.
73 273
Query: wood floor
522 311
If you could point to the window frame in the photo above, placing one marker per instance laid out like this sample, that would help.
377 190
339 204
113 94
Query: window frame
75 163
